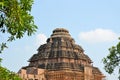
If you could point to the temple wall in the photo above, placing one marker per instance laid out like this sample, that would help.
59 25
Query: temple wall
88 73
32 74
64 75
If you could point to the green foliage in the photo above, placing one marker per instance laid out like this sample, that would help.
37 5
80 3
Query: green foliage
2 46
112 61
16 20
8 75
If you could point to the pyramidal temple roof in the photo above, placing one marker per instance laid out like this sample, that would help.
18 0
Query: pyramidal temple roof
60 59
60 46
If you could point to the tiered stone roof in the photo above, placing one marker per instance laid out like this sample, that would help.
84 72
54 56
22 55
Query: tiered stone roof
60 58
60 45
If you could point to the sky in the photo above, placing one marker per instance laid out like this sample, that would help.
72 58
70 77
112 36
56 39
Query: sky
94 25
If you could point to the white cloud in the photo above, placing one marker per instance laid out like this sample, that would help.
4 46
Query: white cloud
98 35
41 39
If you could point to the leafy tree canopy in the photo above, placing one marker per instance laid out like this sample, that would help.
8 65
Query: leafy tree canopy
8 75
112 61
16 20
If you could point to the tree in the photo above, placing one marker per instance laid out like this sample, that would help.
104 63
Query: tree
16 20
5 74
112 61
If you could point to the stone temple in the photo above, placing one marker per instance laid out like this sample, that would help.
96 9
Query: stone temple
60 59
